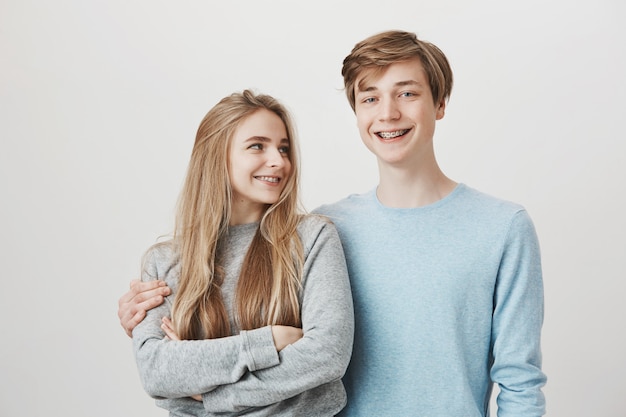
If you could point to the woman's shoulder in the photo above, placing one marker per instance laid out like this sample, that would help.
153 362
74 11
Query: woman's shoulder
312 226
164 249
314 221
161 257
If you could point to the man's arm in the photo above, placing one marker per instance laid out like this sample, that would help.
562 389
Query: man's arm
517 322
141 297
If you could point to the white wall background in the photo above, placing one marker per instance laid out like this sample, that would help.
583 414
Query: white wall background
100 101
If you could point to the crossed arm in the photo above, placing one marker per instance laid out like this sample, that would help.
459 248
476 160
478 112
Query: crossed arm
253 368
147 295
144 296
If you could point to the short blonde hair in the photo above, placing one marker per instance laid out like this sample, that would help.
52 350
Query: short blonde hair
386 48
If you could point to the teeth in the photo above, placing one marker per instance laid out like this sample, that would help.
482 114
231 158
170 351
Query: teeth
268 179
391 135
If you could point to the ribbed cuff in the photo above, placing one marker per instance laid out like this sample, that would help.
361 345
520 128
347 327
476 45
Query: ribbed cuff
258 346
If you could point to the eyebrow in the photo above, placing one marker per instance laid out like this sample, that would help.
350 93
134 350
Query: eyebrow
264 139
397 84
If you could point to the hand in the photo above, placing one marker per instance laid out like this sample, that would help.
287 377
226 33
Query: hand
168 328
285 335
142 297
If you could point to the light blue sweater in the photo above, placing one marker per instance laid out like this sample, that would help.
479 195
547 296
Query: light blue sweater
447 298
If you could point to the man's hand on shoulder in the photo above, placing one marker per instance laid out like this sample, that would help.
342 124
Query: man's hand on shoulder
141 297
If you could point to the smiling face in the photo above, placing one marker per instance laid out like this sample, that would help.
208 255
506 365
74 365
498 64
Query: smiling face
395 113
258 165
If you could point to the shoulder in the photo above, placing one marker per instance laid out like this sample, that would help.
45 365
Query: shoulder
495 213
160 258
348 207
161 250
482 205
315 228
473 196
313 224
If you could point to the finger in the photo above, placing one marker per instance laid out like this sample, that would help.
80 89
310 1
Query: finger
167 323
148 304
144 290
143 286
131 313
143 296
169 331
132 322
137 285
147 299
136 306
132 292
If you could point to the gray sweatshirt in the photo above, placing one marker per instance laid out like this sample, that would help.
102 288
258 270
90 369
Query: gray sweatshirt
243 374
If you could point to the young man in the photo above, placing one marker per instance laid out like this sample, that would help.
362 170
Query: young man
447 282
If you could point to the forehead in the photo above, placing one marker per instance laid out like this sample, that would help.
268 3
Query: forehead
262 123
403 72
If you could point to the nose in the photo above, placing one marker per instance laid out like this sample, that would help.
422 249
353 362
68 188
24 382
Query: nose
275 158
388 110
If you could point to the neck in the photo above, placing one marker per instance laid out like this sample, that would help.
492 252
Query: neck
246 213
418 186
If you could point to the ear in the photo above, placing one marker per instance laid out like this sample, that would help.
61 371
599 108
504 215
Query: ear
441 110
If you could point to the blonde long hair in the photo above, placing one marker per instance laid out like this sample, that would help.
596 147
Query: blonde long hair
268 287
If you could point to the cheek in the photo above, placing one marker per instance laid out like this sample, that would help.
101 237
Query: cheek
365 118
364 131
361 125
287 168
231 163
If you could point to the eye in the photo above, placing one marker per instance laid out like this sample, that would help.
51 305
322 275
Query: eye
407 94
256 146
284 150
369 100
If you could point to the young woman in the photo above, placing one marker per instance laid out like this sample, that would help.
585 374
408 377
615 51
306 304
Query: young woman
259 320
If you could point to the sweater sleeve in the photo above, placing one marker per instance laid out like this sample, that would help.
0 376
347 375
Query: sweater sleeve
322 355
517 321
174 369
